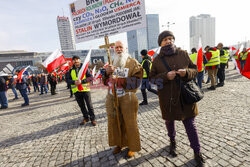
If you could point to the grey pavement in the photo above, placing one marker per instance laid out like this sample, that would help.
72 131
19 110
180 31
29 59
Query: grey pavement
47 133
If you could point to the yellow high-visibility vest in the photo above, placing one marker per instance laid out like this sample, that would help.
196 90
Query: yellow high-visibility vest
74 88
244 56
215 59
194 58
144 71
224 58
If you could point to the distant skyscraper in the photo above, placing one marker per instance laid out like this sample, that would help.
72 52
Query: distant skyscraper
144 38
202 26
65 33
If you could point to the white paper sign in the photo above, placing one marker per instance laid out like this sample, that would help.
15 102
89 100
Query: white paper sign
121 72
93 19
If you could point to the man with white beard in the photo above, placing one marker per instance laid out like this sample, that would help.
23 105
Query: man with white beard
122 126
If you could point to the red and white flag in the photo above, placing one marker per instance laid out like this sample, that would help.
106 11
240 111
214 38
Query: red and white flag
83 70
64 67
246 71
154 52
231 48
237 62
54 60
98 75
200 57
21 73
106 65
93 71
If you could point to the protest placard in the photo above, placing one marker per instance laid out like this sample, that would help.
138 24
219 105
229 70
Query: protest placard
94 19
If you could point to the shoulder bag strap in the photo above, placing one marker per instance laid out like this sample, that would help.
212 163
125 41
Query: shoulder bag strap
165 63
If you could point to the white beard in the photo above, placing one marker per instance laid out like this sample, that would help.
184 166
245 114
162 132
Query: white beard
120 60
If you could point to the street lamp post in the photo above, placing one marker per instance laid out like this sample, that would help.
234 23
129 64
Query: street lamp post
168 25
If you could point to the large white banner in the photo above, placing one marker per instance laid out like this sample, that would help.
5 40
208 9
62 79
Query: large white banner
93 19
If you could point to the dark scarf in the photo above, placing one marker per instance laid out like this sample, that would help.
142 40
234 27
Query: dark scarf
168 50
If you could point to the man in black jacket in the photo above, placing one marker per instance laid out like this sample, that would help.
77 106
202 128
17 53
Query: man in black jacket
21 85
3 97
34 80
52 78
146 65
82 95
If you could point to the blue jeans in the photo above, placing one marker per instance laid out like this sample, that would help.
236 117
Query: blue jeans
23 92
3 99
45 88
15 93
200 78
242 64
28 89
35 85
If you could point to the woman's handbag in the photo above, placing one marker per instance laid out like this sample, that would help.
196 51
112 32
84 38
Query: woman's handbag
190 91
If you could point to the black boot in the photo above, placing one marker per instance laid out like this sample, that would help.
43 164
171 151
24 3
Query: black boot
199 159
211 88
172 148
143 103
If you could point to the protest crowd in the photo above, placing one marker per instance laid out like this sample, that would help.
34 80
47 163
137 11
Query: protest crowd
166 73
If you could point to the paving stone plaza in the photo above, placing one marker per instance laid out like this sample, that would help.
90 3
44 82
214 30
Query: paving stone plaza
47 133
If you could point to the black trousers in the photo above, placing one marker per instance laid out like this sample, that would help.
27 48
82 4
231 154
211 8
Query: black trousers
145 84
53 88
221 73
83 99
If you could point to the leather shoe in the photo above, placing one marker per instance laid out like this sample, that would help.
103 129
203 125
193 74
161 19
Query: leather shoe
23 105
220 85
143 103
117 150
199 159
211 88
130 154
172 149
93 123
3 107
84 121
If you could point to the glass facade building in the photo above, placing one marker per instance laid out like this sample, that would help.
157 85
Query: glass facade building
202 26
144 38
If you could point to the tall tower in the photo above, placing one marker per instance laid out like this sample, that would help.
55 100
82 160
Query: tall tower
202 26
144 38
65 33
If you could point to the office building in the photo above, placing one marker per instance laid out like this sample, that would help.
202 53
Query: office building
144 38
65 33
202 26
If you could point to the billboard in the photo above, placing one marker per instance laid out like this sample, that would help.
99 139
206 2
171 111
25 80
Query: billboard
94 19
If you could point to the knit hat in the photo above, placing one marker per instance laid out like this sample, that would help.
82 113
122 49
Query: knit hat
163 35
144 52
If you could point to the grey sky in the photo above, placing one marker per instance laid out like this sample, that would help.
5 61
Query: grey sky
31 24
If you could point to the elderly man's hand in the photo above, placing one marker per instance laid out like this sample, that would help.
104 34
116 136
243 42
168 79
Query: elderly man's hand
110 69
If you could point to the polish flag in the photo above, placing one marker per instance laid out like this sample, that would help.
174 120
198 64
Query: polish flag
106 65
93 71
64 67
232 48
21 73
237 62
98 75
152 53
199 56
54 60
83 70
246 71
239 51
